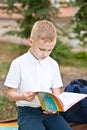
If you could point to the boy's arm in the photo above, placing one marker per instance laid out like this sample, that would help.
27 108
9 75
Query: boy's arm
14 95
57 91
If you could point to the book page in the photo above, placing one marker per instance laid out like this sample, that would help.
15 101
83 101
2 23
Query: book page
68 99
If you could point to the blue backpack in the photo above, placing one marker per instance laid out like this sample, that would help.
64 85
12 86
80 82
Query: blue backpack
77 113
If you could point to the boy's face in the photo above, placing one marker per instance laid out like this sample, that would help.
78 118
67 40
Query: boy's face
42 49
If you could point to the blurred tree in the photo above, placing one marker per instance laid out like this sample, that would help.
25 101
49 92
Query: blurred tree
31 11
79 21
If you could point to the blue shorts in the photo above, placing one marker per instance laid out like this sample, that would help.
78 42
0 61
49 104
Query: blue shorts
34 119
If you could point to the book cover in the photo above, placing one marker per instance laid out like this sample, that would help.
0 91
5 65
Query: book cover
62 102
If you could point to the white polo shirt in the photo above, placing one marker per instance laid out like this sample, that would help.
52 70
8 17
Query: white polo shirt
28 73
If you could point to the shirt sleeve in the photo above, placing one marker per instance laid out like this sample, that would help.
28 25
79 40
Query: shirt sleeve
13 77
57 80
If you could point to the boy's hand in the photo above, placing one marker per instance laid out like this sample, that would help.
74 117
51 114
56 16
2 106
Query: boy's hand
49 112
29 96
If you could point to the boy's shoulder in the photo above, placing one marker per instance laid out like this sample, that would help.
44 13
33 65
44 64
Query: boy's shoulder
20 58
52 61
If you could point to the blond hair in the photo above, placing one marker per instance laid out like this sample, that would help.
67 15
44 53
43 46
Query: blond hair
44 30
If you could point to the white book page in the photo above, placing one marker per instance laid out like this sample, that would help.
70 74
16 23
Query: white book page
68 99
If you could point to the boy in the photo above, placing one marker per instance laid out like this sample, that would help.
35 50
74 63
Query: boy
36 71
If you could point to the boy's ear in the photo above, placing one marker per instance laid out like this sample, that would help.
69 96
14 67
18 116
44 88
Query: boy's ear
30 41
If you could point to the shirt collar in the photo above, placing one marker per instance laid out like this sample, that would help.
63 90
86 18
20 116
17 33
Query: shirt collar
34 60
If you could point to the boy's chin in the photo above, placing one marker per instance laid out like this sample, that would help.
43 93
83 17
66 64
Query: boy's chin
42 58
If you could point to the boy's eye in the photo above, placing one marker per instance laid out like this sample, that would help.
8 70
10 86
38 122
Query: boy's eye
44 49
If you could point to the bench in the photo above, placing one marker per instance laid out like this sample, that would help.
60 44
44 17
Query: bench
75 126
13 122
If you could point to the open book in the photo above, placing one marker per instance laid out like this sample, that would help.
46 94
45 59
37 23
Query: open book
62 103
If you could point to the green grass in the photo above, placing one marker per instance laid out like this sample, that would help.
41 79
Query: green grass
78 60
7 53
7 108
